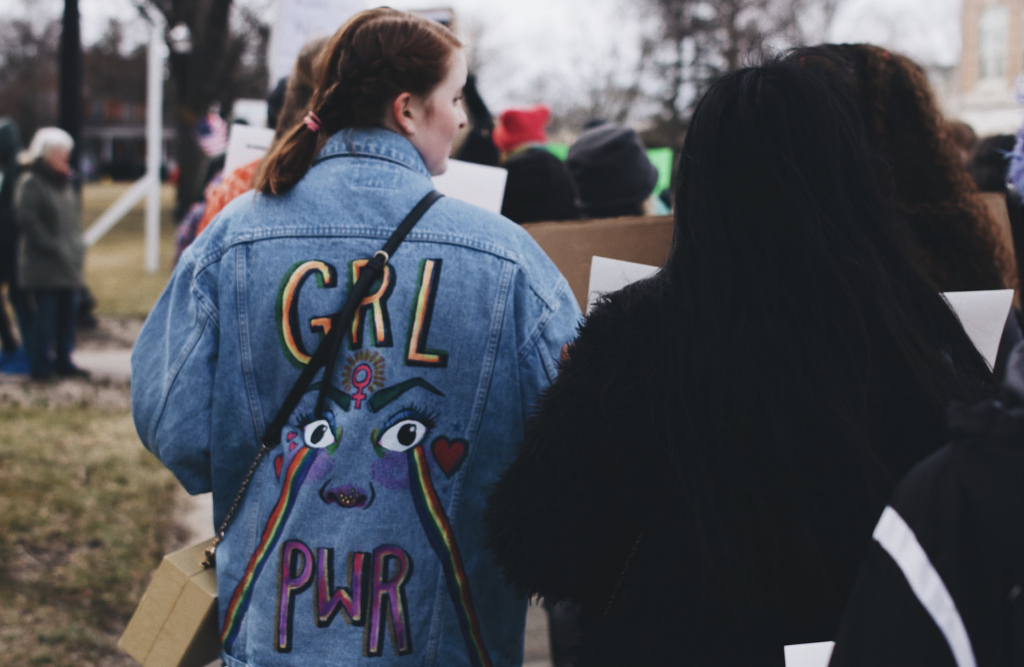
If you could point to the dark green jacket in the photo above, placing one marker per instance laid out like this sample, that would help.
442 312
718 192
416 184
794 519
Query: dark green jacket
47 212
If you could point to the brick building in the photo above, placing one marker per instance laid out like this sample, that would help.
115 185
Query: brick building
983 89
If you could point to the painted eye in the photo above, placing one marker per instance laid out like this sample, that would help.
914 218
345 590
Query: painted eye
404 435
318 434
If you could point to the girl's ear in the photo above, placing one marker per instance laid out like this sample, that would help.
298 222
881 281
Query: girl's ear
402 114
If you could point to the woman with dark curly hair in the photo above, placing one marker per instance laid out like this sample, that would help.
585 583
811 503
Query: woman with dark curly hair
927 192
704 475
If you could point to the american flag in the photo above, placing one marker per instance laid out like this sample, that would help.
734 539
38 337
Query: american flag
212 133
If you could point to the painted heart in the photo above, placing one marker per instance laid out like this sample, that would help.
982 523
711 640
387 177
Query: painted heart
449 454
278 462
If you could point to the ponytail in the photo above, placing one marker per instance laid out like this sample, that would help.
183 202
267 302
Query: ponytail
376 56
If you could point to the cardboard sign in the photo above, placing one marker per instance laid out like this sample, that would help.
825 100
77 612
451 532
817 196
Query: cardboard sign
983 315
476 184
571 245
809 655
245 144
175 624
610 275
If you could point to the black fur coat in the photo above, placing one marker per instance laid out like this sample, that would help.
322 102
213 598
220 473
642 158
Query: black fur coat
587 512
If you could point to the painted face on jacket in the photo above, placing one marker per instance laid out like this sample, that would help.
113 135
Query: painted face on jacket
402 424
374 437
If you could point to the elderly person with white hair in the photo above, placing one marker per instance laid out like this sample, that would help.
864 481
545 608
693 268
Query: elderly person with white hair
52 251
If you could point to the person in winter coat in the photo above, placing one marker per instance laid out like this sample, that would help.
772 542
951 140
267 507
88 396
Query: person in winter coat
704 474
52 251
539 187
943 581
360 539
612 172
13 358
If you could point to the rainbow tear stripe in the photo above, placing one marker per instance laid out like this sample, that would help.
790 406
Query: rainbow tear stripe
439 531
297 470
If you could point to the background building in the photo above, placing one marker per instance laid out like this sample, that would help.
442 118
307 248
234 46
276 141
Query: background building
984 88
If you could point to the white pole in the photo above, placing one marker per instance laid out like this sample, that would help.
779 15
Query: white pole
154 139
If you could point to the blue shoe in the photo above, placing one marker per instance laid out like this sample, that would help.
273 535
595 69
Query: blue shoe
14 362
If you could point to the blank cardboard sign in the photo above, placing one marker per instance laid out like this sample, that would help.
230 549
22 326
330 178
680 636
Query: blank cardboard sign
610 275
809 655
245 144
475 184
983 315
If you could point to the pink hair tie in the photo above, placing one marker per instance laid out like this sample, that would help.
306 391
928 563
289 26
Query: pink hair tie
312 122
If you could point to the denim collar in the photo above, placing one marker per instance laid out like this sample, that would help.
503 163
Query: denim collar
373 142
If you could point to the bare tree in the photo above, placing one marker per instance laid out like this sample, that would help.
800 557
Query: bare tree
211 69
28 72
699 40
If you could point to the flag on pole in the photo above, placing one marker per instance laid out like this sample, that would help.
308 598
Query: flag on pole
212 134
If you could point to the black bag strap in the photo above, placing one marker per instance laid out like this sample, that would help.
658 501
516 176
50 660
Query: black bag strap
326 355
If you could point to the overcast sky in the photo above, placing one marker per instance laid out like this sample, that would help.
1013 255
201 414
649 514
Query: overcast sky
523 40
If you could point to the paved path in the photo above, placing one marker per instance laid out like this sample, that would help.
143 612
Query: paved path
105 364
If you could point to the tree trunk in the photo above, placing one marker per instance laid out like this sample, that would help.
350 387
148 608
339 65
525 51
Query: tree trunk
195 75
71 76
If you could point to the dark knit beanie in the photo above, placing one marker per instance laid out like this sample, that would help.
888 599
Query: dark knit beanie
610 167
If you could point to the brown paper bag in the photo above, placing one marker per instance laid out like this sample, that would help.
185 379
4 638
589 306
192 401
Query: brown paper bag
175 624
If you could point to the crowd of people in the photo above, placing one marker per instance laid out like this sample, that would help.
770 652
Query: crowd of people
606 173
693 473
734 455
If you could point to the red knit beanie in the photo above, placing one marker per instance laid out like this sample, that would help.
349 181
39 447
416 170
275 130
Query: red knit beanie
518 126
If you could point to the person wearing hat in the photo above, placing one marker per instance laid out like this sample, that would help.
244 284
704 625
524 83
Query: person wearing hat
613 176
539 186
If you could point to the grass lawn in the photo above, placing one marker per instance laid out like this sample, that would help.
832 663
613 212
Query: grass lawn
85 514
115 267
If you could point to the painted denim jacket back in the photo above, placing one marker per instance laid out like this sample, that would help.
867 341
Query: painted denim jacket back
360 540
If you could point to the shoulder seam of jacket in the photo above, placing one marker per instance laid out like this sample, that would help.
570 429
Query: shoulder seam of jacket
189 347
201 299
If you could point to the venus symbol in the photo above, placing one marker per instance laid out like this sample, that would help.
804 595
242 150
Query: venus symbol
362 376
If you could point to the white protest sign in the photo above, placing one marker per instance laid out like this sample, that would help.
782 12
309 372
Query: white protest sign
611 275
809 655
983 315
253 112
475 184
245 144
299 21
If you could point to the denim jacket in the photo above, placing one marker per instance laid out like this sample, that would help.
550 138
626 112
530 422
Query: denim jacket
359 540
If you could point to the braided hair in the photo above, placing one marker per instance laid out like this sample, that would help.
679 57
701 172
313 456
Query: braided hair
375 57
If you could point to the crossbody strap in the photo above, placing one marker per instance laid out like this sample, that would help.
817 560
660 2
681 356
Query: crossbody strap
325 356
367 276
